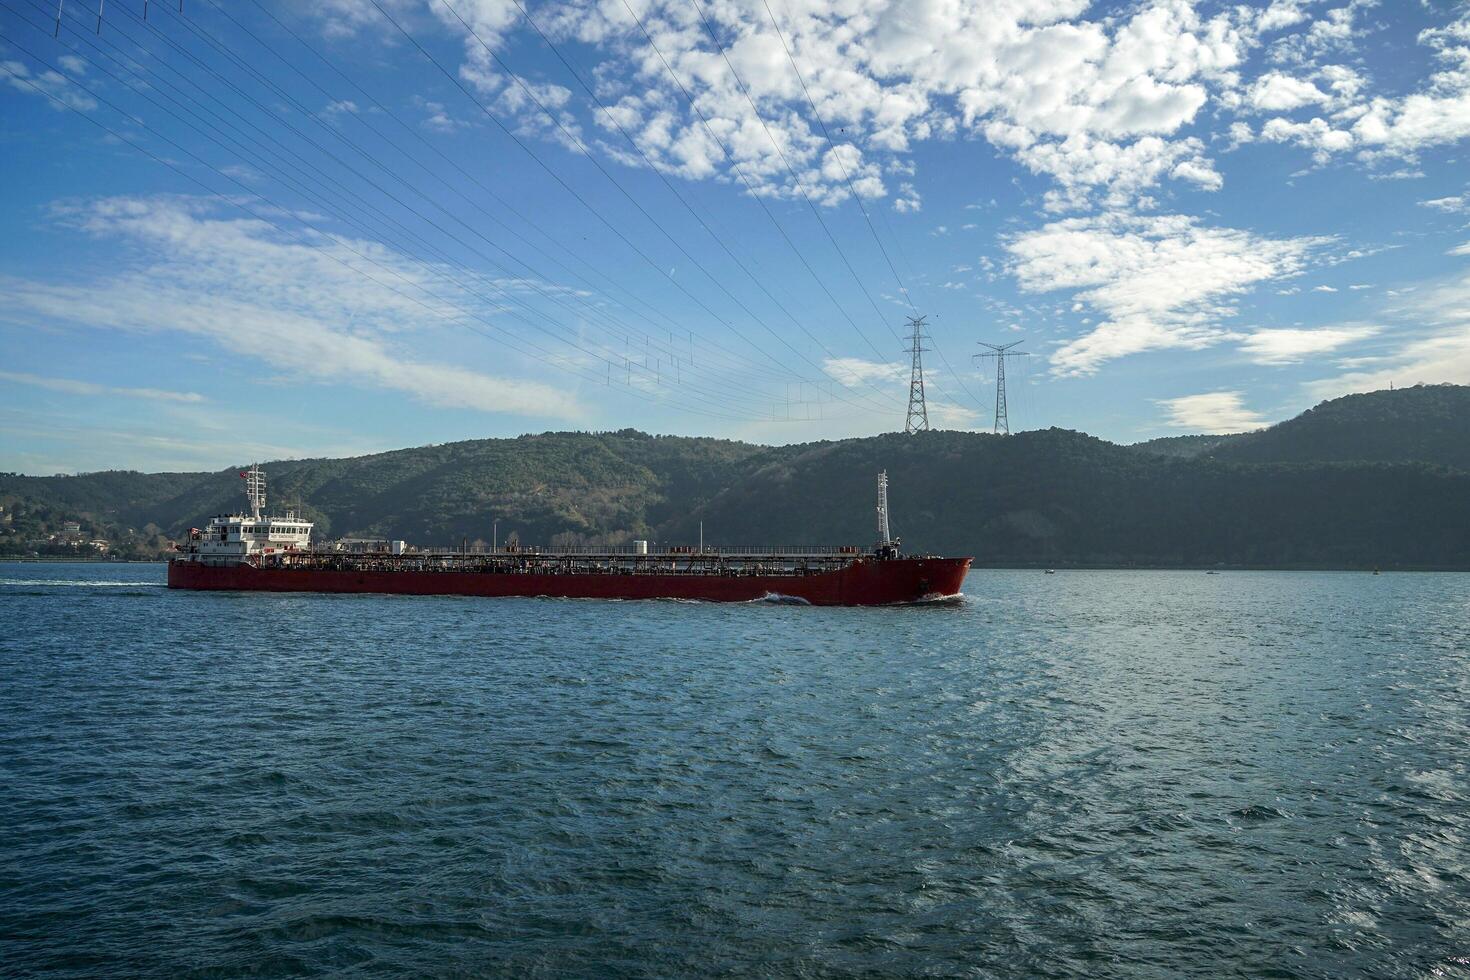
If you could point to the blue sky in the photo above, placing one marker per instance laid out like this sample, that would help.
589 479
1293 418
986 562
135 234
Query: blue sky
265 229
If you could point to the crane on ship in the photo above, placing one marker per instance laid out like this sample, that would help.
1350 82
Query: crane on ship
887 543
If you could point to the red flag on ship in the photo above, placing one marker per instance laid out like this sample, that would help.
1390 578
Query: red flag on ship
244 475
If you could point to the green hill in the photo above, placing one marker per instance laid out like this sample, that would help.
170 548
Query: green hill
1057 497
1380 479
1424 424
567 485
1185 447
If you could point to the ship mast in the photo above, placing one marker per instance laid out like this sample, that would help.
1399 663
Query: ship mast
884 537
255 490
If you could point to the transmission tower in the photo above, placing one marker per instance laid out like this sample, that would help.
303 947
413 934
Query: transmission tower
918 417
1002 420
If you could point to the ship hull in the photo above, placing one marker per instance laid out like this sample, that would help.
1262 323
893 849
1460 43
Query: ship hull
865 582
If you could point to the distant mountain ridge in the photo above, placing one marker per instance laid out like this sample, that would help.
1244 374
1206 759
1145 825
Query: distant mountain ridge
1425 424
1186 447
1377 479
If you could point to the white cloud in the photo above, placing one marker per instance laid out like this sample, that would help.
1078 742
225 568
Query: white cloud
1097 99
1215 413
1315 134
48 84
1031 75
242 172
1293 345
1081 164
1460 250
436 116
1403 173
1277 92
302 310
343 19
1382 127
951 415
1432 346
1337 29
1280 14
908 200
1324 289
1160 282
70 386
1451 205
854 371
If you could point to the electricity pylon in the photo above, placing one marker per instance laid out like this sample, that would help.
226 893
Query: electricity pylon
918 417
1002 418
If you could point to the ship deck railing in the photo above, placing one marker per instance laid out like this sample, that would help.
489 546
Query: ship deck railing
751 561
667 551
592 551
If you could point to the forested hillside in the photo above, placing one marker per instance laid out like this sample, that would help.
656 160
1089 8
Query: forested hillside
1427 424
1057 497
565 485
1379 479
1186 447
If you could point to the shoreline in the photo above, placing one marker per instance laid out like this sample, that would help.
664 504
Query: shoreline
85 561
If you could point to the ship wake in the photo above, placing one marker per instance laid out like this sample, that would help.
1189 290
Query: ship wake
778 599
938 599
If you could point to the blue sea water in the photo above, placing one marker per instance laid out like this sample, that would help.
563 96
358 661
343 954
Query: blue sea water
1089 774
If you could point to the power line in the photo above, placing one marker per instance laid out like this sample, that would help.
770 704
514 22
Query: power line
651 369
749 187
257 215
816 114
538 227
671 354
664 179
181 172
862 287
302 186
371 159
801 188
580 198
837 157
306 191
676 362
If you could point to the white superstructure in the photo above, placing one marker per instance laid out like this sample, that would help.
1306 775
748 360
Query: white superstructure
230 539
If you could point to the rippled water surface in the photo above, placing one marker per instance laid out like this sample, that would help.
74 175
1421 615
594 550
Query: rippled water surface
1083 774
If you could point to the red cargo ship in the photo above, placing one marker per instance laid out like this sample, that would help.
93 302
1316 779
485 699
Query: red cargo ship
274 554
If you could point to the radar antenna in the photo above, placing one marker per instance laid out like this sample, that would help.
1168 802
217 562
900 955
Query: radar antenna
255 490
